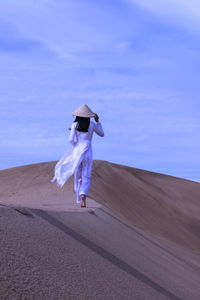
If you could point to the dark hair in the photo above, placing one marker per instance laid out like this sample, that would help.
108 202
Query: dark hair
83 123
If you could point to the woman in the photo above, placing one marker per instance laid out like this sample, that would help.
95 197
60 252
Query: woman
78 161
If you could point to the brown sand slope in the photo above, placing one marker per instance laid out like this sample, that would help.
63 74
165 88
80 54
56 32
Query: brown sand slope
137 240
163 205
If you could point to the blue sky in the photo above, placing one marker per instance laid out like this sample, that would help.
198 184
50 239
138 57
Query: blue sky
135 62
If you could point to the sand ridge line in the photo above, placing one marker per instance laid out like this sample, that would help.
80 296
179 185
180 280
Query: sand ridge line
183 260
105 254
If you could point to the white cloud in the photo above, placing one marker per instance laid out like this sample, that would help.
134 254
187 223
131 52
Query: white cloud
68 28
183 12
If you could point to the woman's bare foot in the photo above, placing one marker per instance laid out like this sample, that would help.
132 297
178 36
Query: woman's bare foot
83 200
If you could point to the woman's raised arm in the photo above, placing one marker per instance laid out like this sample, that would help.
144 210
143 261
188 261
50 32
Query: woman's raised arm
98 129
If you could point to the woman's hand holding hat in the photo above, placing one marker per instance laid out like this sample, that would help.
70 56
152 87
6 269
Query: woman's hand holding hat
96 117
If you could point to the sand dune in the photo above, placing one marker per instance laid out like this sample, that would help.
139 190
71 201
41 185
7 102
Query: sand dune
164 205
138 238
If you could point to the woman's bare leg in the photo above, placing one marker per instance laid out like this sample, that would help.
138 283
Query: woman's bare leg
83 200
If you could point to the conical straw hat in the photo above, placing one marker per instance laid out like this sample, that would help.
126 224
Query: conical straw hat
83 111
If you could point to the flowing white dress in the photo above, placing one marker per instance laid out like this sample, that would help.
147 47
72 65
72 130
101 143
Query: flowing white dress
78 160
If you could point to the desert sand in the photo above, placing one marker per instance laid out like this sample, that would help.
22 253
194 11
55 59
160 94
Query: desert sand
138 237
